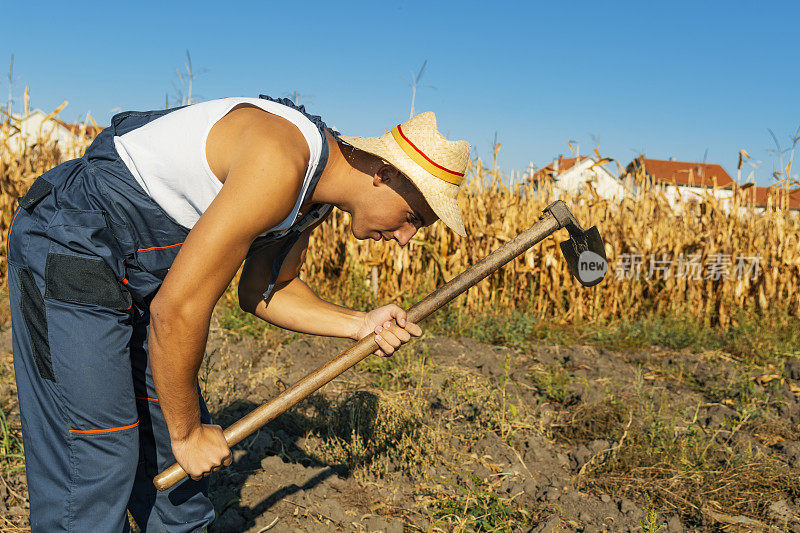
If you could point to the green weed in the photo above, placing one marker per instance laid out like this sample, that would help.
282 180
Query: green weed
552 382
479 509
11 449
651 522
235 322
751 338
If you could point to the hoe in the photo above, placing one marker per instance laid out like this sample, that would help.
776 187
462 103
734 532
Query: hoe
586 259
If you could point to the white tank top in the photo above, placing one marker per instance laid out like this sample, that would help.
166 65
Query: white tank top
168 156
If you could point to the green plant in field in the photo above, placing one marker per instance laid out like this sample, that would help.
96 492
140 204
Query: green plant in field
552 382
519 327
761 338
11 450
209 362
755 339
356 294
479 509
516 331
674 330
650 523
234 321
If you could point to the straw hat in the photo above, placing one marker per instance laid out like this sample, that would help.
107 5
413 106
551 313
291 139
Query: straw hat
435 165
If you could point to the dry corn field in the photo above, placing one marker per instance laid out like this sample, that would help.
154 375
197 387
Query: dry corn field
644 227
540 283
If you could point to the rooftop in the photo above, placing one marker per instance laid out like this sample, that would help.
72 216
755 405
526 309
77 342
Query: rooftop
562 164
759 196
682 172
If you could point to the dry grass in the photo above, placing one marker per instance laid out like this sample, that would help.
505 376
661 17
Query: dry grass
688 471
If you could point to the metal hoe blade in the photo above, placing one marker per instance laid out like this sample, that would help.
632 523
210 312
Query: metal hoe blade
584 251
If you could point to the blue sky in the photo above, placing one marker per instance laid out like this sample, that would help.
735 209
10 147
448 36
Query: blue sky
672 79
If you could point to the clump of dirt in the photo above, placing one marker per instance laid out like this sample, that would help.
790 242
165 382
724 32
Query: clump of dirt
451 434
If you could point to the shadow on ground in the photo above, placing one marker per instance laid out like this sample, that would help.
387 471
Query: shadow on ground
277 477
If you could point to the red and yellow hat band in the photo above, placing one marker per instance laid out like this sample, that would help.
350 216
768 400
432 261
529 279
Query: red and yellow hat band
419 157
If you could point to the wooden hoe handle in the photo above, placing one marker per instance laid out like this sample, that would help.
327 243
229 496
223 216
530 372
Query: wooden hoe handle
260 416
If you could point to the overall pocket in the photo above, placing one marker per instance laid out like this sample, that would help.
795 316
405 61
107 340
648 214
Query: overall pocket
84 263
82 279
157 260
86 232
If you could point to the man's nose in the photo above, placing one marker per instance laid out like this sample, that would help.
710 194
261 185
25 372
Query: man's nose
404 235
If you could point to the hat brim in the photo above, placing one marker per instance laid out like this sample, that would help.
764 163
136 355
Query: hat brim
441 196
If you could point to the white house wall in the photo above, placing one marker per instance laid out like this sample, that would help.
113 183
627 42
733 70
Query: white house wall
34 128
680 196
574 180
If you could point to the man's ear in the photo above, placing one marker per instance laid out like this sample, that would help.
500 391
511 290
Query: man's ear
385 174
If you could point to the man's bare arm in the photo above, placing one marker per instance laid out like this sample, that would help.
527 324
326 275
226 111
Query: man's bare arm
295 306
260 189
298 308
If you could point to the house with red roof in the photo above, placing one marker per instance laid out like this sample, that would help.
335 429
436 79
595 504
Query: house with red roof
682 173
571 175
81 130
684 182
769 198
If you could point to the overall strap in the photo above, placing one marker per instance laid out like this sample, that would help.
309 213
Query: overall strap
317 213
288 237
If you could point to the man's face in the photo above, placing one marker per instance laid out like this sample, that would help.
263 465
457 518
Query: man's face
393 208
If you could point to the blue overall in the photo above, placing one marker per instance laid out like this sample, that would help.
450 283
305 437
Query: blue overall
87 251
